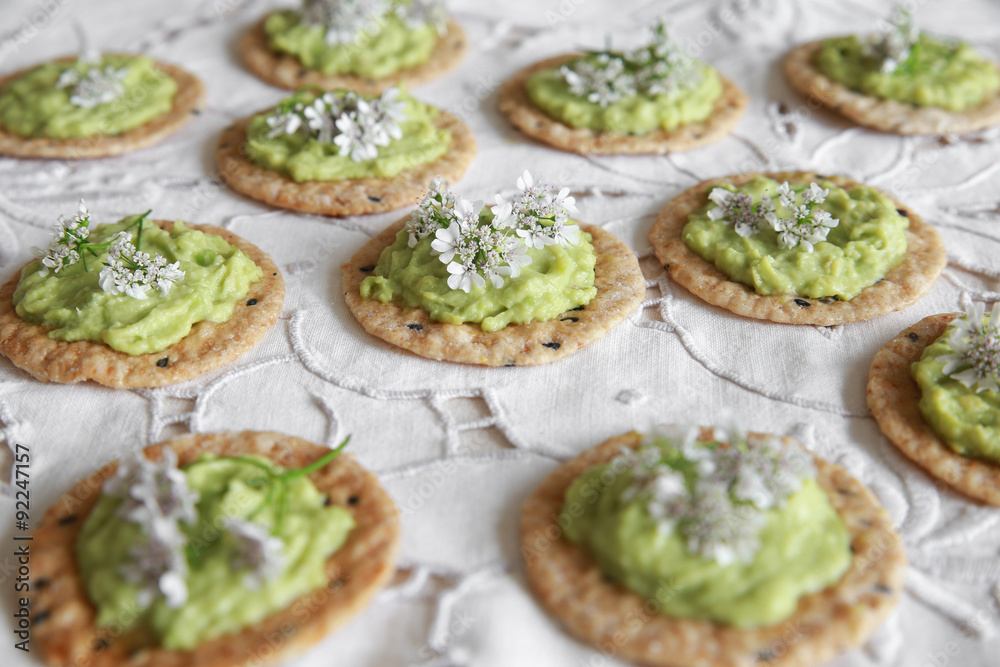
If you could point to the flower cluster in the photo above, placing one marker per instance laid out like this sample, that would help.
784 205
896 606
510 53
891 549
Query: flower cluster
155 495
357 126
714 494
345 21
892 48
69 241
257 551
976 345
131 271
95 86
659 68
128 270
476 249
805 223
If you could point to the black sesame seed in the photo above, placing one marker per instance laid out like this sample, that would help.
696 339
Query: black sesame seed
553 345
162 363
510 363
274 274
914 337
577 308
41 584
367 269
415 327
903 212
68 519
374 199
353 500
666 267
327 501
338 583
803 303
853 550
882 588
101 643
302 73
782 107
227 144
41 617
767 655
252 302
570 319
195 112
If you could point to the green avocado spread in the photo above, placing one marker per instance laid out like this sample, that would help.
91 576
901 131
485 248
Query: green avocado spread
382 48
305 158
557 279
937 73
32 105
803 548
218 600
632 114
216 277
869 240
969 422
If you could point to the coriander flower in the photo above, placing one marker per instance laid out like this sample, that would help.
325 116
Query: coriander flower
132 272
285 122
95 86
433 213
159 567
345 20
67 243
976 349
320 121
420 13
806 224
738 209
894 47
663 67
258 552
602 79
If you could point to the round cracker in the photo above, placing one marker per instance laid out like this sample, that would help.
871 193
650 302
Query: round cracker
569 583
620 289
63 623
188 102
894 397
286 71
342 197
882 114
207 346
515 104
924 260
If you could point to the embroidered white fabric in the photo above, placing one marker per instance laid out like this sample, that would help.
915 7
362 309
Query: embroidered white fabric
461 447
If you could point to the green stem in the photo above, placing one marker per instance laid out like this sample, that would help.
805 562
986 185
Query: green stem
316 465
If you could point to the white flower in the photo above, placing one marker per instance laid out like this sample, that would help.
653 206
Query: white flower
786 197
131 272
502 212
464 277
815 194
420 13
95 86
976 349
258 552
345 20
446 241
67 242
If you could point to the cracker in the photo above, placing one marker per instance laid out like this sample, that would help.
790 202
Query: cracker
881 114
515 104
64 617
924 260
207 346
287 71
893 398
188 102
356 196
620 289
568 582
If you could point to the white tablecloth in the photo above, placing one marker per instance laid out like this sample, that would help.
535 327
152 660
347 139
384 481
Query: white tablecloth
461 447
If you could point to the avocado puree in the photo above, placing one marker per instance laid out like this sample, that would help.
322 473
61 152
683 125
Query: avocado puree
383 48
307 159
633 114
938 73
218 602
557 279
804 547
869 241
216 277
967 421
32 106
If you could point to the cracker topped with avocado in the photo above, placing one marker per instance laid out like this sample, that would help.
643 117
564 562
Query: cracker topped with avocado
366 46
520 283
202 549
797 247
902 80
697 547
654 99
137 303
934 391
94 105
341 153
